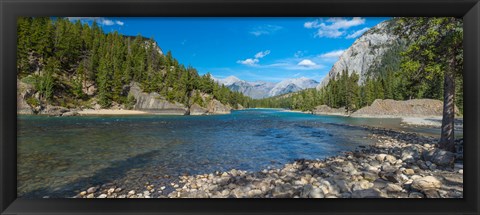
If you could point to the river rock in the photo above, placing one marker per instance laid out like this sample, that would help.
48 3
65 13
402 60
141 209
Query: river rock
408 171
426 183
369 193
380 157
91 190
431 193
393 187
391 159
443 158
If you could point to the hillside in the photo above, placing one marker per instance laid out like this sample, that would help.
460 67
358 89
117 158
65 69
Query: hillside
64 65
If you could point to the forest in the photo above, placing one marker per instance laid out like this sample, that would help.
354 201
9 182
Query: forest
61 58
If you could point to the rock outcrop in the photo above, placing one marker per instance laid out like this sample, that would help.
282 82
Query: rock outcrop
408 108
196 109
326 110
366 51
23 92
216 107
153 102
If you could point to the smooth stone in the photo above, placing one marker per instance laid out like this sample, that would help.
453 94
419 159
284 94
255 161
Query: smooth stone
380 157
393 187
416 195
431 193
91 190
391 159
369 193
426 183
316 193
102 196
408 172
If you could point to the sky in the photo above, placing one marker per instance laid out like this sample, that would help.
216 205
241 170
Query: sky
252 49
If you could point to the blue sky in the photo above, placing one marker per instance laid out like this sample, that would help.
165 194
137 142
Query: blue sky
267 49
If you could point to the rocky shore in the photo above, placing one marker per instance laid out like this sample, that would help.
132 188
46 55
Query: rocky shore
398 165
145 104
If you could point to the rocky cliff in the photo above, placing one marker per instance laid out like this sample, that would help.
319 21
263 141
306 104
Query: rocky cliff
366 52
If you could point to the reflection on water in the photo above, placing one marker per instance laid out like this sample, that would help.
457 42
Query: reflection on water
56 152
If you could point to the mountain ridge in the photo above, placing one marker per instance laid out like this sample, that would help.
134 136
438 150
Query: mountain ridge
265 89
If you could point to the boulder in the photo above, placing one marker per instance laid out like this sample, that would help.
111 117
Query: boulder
216 107
196 109
368 193
440 157
51 110
426 183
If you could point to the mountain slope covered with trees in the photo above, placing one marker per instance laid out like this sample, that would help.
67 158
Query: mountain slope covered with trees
75 65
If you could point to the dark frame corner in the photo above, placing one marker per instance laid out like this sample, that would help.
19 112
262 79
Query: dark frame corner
10 9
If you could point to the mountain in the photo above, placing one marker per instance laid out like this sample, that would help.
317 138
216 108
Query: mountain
292 85
366 53
263 89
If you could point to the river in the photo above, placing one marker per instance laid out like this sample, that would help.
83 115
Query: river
57 156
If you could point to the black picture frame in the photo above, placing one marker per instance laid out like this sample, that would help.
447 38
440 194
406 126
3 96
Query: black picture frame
11 9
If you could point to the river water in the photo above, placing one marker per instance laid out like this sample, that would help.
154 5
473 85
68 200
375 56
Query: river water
57 156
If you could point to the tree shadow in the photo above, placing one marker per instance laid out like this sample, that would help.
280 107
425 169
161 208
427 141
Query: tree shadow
117 170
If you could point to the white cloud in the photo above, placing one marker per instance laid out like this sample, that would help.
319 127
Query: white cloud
357 33
265 30
299 54
332 54
333 27
307 63
248 61
106 22
310 24
262 54
99 20
253 61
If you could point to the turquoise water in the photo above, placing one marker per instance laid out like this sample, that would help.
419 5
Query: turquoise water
58 156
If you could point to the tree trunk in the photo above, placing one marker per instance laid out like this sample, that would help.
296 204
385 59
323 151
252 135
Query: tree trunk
447 140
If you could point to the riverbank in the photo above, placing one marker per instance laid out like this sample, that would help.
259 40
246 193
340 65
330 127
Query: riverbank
111 112
398 165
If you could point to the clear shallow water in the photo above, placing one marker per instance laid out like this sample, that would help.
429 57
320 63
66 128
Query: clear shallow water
63 154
